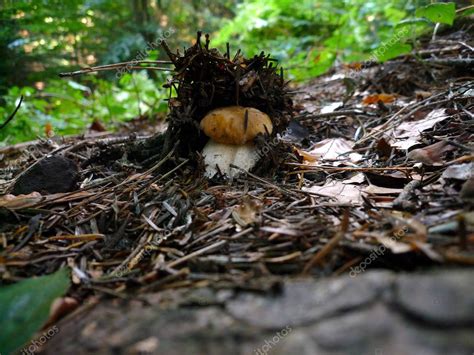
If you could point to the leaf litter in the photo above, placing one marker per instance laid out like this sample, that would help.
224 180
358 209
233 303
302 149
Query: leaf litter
350 184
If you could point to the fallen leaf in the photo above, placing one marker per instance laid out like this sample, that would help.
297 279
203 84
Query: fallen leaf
380 190
405 144
97 126
354 66
342 193
13 202
383 148
331 107
421 94
60 307
373 99
248 212
358 178
48 129
413 129
331 149
394 246
459 171
430 155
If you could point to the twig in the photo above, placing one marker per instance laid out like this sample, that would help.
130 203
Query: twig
452 62
321 254
310 169
395 118
129 65
196 253
13 114
335 114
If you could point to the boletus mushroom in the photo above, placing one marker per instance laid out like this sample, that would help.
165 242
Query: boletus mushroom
231 131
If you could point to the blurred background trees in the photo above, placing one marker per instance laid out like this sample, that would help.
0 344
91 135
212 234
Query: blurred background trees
40 38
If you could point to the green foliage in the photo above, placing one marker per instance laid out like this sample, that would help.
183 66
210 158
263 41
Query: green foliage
392 50
25 306
69 106
310 36
440 12
39 39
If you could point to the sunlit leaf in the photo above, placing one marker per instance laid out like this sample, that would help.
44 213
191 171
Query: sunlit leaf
439 12
391 50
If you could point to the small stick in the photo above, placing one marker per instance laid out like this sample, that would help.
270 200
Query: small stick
198 39
236 55
109 67
237 86
333 242
13 114
196 253
167 49
334 114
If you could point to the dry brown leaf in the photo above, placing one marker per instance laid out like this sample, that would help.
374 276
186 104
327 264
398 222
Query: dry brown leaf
411 129
13 202
373 99
380 190
430 155
342 193
48 129
354 66
61 307
248 212
383 148
330 149
97 126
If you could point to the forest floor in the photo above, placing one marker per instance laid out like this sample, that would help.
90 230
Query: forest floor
362 242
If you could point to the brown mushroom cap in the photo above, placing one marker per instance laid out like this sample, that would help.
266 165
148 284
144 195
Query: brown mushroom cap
229 125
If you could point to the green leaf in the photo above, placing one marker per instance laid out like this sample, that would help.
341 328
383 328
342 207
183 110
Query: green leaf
24 307
391 50
467 12
440 12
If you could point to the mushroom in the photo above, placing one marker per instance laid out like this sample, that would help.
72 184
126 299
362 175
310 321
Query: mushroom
231 131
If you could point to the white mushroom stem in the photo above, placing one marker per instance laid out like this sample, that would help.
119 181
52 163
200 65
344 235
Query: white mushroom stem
219 157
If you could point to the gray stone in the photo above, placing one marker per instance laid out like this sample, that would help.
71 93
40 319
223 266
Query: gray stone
375 313
442 297
308 300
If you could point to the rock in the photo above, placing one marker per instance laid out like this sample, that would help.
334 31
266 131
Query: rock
48 176
377 312
308 301
440 298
